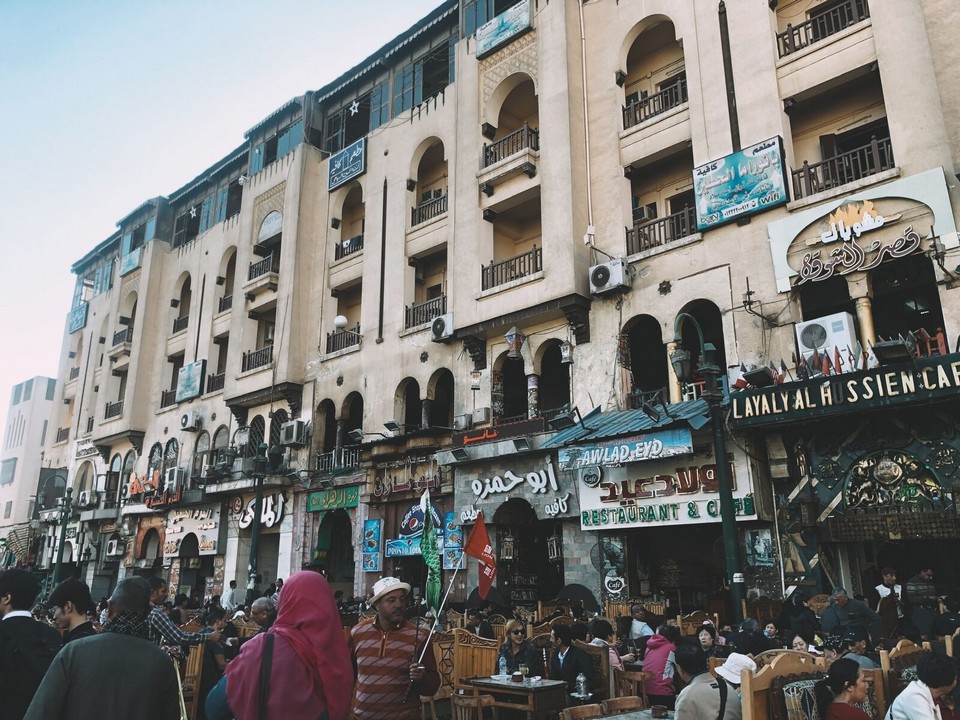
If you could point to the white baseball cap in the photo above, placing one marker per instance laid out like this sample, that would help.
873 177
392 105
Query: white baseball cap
387 585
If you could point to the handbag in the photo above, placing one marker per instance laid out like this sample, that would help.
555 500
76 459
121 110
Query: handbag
266 664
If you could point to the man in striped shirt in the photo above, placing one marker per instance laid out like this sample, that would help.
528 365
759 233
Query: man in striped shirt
386 653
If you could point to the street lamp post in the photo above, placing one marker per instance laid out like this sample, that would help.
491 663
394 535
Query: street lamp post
64 516
263 462
682 364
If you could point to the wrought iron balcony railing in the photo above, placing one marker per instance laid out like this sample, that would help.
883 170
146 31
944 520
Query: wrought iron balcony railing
661 231
668 98
256 358
841 169
821 26
422 313
498 273
522 139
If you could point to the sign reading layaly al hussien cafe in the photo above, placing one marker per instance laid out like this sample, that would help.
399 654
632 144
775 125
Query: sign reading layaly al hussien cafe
669 492
924 379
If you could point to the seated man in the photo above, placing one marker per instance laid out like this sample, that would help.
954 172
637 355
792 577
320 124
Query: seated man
855 642
478 625
568 661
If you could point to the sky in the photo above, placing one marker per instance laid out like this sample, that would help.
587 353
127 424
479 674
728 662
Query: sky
107 103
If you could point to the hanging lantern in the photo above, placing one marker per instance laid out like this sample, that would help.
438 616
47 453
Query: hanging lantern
566 353
553 547
506 548
475 376
514 340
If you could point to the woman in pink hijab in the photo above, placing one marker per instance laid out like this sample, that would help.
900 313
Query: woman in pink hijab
311 676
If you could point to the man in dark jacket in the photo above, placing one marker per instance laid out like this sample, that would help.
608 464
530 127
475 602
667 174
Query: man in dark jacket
478 625
749 641
27 647
949 621
568 661
117 673
845 613
71 602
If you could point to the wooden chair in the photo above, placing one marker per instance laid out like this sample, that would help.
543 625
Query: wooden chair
581 712
819 603
472 655
498 623
756 690
455 619
191 679
443 644
543 643
601 685
614 609
192 626
690 624
548 626
430 702
632 683
900 664
470 707
768 656
617 706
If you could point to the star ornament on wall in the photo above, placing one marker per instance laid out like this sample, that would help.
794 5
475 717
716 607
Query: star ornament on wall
354 107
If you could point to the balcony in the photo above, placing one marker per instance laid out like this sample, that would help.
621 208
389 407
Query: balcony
113 410
428 210
256 359
180 324
63 434
168 398
660 232
344 458
499 273
74 374
215 382
848 167
343 339
225 303
425 312
670 97
270 264
526 138
348 247
821 26
123 336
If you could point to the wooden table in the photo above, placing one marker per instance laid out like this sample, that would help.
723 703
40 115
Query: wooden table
540 699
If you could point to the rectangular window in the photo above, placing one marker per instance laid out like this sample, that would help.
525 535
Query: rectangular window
334 133
43 434
8 509
17 394
180 231
379 105
221 205
7 470
256 159
234 198
27 390
206 214
407 88
51 386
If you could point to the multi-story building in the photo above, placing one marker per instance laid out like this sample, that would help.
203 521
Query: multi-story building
405 279
24 437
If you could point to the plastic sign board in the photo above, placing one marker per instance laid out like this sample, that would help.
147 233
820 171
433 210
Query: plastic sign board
347 164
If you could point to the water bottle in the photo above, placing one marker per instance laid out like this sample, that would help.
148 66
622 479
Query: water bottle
582 685
503 666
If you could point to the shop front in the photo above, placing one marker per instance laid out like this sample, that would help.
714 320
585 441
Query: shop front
193 548
331 522
145 557
652 503
393 530
530 509
275 542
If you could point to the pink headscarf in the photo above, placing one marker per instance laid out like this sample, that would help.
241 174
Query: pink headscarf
309 621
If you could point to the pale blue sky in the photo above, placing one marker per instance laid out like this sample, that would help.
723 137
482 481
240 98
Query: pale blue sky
106 103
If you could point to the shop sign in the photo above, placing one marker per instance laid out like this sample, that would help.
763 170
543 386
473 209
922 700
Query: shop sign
411 530
652 446
662 493
190 380
85 449
404 478
536 482
500 432
271 512
372 535
335 499
506 26
926 379
202 521
347 164
744 183
798 240
452 543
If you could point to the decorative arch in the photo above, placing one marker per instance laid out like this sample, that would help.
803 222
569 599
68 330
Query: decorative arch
440 391
277 420
128 309
221 440
710 319
189 546
425 145
228 269
258 429
644 354
351 412
270 227
508 388
155 464
150 545
325 425
201 455
554 378
339 197
636 31
113 478
171 454
84 478
406 404
491 112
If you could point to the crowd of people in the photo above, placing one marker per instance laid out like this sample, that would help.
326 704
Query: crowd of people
70 658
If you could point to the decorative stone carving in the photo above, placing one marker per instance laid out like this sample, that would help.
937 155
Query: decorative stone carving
518 56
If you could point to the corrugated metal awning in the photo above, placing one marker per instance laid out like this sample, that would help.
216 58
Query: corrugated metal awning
601 425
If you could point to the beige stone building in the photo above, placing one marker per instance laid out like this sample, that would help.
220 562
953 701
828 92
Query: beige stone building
400 279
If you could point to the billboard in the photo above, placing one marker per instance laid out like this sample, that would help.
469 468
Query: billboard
506 26
741 184
347 164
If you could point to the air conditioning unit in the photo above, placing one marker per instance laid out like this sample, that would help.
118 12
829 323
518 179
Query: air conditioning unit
191 421
442 328
610 276
115 548
481 415
293 433
173 478
824 334
462 422
85 499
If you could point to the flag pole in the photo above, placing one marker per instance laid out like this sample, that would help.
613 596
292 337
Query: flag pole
436 620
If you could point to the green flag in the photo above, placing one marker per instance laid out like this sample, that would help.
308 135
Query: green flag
431 555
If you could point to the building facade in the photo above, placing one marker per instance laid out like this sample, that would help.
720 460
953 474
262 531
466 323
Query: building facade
407 279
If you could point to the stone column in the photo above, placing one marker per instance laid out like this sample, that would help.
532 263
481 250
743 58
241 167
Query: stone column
426 405
868 334
533 396
673 382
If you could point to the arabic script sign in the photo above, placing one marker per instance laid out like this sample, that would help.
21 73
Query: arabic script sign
344 497
537 482
741 184
203 521
347 164
271 512
407 479
652 446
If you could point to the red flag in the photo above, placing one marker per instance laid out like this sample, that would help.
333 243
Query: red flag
837 361
478 546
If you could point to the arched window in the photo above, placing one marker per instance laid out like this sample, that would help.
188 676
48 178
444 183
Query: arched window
258 427
128 464
276 424
113 481
221 440
201 455
155 465
171 455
